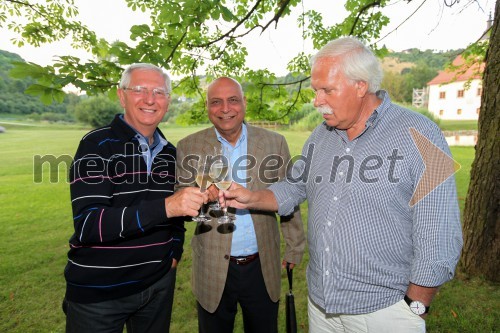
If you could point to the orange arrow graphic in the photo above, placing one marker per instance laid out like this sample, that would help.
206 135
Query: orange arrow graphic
438 166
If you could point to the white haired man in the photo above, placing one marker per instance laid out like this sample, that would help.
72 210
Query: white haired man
377 256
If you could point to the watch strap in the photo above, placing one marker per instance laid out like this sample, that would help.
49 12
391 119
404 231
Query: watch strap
408 301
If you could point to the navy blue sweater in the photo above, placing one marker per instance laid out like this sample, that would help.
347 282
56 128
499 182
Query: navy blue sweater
123 241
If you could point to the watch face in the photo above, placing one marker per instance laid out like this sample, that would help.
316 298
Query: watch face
417 307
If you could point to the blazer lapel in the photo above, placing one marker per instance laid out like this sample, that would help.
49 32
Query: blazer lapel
255 149
211 142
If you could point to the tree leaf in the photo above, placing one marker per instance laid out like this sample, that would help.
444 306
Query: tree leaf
226 14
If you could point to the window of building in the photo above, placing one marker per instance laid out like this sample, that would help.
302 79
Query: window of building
441 112
477 110
442 94
460 93
459 111
479 91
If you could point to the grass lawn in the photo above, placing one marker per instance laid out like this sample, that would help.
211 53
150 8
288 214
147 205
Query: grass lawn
36 225
457 125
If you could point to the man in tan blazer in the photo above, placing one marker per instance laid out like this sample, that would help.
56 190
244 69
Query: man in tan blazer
242 266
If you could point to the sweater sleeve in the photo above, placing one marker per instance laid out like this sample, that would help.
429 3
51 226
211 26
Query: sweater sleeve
179 233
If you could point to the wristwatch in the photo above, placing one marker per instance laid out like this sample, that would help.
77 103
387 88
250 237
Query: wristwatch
416 307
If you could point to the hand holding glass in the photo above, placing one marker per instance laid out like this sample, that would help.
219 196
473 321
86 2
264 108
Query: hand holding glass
217 169
204 181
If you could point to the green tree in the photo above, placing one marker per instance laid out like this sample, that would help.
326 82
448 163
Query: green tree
97 111
183 37
395 84
419 75
481 253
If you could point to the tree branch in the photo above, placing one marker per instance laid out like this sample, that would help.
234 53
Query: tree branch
233 29
361 12
287 83
289 109
33 7
229 34
277 16
171 55
390 32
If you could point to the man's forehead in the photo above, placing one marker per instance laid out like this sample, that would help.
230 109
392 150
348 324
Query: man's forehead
222 96
146 75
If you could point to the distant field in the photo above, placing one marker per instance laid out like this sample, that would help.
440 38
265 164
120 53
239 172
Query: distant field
392 64
36 225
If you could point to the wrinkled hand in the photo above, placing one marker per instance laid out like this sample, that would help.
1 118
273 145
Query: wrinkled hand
283 264
185 202
236 196
213 193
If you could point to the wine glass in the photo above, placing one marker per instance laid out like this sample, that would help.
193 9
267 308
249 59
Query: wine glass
204 181
224 182
217 168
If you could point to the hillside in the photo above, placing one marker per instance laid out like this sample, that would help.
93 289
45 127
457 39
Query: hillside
395 65
14 101
410 69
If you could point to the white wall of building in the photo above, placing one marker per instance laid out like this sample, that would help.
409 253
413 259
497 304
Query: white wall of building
453 107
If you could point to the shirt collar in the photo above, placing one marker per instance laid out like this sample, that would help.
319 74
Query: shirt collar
157 138
381 110
241 139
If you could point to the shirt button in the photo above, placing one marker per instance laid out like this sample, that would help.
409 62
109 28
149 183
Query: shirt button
327 273
348 149
329 223
341 173
327 249
335 198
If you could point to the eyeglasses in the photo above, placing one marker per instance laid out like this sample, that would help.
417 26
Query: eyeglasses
143 91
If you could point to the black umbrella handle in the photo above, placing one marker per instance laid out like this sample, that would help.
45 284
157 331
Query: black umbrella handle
289 273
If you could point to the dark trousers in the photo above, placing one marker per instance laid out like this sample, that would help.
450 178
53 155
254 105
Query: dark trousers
244 285
148 311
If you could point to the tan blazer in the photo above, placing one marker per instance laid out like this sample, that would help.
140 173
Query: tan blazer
211 250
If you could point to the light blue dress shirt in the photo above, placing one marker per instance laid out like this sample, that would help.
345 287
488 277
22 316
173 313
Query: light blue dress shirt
148 151
244 240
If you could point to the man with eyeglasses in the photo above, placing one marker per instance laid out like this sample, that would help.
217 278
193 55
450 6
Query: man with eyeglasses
129 230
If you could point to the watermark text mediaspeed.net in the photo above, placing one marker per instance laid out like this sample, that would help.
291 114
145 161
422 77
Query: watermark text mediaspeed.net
129 168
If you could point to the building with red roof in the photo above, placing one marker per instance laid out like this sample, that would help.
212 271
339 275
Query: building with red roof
455 93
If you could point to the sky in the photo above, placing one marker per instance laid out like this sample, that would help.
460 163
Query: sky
434 26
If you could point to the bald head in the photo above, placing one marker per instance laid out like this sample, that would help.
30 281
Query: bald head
226 82
226 106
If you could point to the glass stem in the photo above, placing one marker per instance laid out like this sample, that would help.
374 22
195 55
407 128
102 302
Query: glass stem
202 210
224 210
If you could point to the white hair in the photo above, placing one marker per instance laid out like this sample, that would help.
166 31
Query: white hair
127 73
358 63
